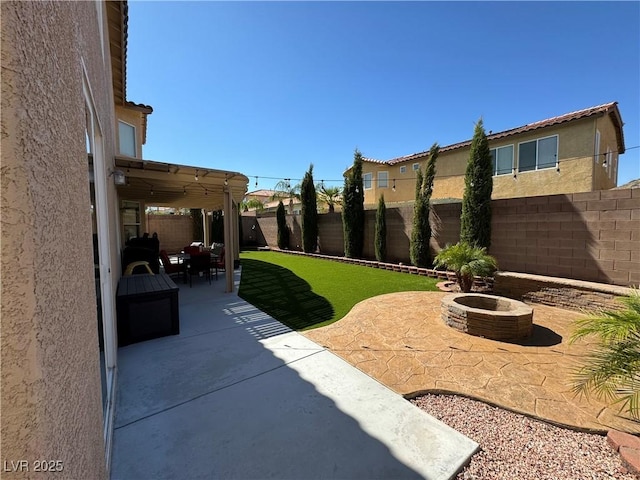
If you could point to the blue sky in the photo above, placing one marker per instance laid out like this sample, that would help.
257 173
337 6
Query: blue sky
266 88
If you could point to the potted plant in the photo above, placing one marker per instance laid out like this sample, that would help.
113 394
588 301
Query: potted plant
466 261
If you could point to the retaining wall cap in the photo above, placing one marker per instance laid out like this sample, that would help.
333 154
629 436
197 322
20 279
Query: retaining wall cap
597 287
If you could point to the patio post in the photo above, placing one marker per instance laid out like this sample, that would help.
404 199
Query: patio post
205 228
228 239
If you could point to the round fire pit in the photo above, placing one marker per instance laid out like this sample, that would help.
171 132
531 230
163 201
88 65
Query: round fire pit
488 316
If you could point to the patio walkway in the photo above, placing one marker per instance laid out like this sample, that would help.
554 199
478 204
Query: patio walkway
400 340
239 395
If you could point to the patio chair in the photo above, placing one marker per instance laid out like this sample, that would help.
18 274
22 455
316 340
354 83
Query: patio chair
199 264
170 268
141 266
191 250
219 262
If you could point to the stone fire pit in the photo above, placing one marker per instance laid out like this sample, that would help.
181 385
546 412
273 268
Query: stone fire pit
488 316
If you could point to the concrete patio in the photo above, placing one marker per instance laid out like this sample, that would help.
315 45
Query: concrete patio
239 395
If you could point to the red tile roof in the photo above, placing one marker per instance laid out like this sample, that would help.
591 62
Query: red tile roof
605 109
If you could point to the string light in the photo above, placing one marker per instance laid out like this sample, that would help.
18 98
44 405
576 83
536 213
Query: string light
196 175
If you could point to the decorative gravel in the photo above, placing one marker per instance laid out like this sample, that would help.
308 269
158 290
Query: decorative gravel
514 446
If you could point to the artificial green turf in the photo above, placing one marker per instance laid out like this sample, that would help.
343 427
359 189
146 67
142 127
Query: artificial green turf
304 292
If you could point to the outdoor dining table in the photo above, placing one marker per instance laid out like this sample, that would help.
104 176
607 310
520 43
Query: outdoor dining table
183 259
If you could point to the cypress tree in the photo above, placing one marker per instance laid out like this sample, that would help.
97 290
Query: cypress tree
283 229
309 212
353 209
381 231
420 253
475 222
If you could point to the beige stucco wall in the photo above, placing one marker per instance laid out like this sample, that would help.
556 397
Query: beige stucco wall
135 118
575 151
51 400
605 177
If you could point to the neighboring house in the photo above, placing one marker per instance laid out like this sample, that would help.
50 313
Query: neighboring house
270 200
269 204
571 153
74 187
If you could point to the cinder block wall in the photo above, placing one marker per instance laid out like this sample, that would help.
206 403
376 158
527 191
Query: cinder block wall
593 236
174 231
331 234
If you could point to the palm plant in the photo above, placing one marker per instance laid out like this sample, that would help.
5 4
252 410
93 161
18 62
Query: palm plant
283 190
612 371
252 204
466 261
329 195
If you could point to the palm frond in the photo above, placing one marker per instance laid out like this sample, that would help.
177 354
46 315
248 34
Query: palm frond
612 325
612 371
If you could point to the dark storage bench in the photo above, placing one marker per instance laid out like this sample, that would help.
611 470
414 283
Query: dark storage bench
147 307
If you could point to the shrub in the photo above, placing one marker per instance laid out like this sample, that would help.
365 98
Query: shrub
353 209
612 371
466 261
475 221
309 212
283 229
419 250
381 231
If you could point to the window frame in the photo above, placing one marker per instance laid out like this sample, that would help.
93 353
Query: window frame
383 183
403 169
416 166
609 158
537 159
120 139
370 180
513 157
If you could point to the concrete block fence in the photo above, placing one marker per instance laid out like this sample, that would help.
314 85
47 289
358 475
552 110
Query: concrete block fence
591 236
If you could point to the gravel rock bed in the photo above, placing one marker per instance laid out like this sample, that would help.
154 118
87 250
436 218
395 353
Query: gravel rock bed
514 446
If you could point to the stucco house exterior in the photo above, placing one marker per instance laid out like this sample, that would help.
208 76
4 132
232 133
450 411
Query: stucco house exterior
571 153
73 176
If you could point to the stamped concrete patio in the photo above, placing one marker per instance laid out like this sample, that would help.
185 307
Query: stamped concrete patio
400 340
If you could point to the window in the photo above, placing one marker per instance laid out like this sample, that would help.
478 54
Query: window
538 154
596 147
403 169
131 219
609 159
416 166
366 180
502 160
127 135
383 179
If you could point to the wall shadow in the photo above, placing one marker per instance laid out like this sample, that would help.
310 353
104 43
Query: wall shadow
283 295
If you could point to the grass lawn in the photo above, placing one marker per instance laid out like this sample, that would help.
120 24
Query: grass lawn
304 292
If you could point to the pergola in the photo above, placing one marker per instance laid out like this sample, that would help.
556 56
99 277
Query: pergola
183 186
